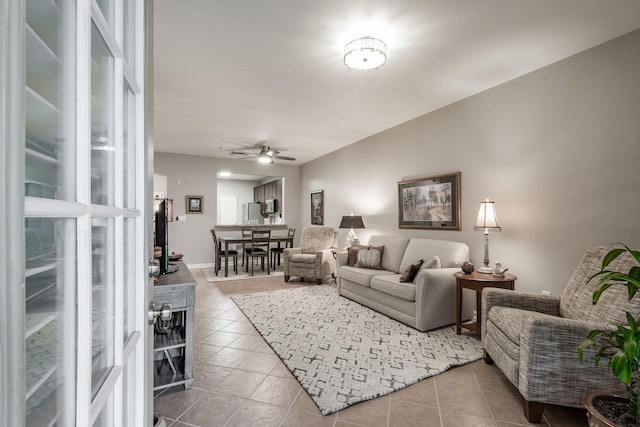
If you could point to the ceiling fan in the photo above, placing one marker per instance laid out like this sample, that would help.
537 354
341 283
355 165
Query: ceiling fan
260 150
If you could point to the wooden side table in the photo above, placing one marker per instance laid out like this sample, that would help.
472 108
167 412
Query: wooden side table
477 282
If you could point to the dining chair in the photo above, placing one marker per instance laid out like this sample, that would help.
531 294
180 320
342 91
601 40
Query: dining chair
246 249
259 248
246 232
277 252
219 253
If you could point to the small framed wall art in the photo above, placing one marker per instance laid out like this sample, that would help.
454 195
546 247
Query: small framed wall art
194 204
431 203
317 207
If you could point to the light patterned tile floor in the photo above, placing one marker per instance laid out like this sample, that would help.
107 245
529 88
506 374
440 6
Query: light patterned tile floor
239 381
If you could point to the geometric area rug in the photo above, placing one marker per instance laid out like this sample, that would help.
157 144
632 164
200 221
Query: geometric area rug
342 352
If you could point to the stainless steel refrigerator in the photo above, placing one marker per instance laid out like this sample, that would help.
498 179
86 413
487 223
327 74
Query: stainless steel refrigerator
252 213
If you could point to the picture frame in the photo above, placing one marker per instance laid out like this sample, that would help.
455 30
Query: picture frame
195 204
430 203
317 207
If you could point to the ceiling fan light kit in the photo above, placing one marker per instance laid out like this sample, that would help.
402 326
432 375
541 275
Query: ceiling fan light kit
264 158
365 53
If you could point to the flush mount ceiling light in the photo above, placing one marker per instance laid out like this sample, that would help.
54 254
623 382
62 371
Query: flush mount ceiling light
365 53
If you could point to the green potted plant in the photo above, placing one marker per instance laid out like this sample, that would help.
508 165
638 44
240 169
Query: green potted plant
620 346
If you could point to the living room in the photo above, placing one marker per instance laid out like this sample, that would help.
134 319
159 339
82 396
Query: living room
555 147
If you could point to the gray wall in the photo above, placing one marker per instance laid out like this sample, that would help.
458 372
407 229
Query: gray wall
199 174
558 150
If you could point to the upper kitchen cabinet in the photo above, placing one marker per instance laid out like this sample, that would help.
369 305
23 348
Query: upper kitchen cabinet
268 191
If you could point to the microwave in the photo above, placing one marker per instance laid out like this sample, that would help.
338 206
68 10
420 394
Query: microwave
270 206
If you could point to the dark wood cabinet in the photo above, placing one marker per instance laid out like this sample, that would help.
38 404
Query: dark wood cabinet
258 194
279 194
270 190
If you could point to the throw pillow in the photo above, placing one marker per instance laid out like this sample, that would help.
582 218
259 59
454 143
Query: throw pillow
371 257
432 262
352 255
410 272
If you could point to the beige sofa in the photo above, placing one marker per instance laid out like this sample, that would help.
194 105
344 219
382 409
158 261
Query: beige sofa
426 303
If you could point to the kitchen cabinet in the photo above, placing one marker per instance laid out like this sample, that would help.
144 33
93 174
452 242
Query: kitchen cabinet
258 194
270 190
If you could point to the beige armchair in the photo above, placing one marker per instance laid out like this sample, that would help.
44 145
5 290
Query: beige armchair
314 258
533 338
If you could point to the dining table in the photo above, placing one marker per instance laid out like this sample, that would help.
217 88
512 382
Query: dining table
224 242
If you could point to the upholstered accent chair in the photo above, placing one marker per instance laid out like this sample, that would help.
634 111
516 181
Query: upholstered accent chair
314 258
533 338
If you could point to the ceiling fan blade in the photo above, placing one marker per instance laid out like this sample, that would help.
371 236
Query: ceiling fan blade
237 144
284 158
242 153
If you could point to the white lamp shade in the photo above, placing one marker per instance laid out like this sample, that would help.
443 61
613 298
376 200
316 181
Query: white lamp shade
487 218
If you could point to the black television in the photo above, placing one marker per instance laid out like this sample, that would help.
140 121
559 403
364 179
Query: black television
163 215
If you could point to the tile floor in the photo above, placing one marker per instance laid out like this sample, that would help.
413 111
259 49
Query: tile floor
239 381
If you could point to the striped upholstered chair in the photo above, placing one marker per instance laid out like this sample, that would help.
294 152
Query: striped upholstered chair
533 338
314 258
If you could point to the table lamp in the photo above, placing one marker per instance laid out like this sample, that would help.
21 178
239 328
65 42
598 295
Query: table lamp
486 221
351 222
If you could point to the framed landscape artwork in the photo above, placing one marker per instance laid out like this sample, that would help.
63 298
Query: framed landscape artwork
317 207
431 203
194 204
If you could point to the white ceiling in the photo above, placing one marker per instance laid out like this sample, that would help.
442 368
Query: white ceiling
249 70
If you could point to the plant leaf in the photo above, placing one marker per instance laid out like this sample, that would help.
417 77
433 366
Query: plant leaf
635 254
611 255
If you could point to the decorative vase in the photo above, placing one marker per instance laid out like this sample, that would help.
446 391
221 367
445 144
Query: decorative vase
595 418
467 267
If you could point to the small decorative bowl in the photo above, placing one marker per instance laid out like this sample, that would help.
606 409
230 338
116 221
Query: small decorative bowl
467 267
174 256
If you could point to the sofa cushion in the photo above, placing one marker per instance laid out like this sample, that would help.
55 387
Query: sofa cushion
361 276
370 257
394 248
303 258
452 254
410 272
390 284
